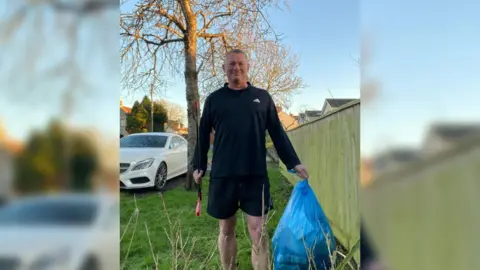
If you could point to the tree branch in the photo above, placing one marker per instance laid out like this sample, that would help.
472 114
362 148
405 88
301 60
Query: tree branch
173 19
216 16
221 36
207 35
163 13
169 29
161 43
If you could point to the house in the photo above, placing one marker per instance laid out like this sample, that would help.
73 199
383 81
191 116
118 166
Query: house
331 104
9 144
6 175
174 126
124 111
444 136
9 148
366 172
393 159
308 116
288 121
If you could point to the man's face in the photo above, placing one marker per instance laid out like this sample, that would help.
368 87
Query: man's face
236 67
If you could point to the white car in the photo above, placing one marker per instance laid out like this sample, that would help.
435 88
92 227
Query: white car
68 232
151 159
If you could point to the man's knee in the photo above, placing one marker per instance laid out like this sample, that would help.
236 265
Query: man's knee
227 227
255 227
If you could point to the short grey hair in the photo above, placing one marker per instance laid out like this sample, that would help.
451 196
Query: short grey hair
238 51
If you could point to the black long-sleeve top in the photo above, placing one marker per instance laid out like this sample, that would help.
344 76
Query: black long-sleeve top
240 119
367 251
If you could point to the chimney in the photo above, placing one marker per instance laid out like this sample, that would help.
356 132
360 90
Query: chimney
121 103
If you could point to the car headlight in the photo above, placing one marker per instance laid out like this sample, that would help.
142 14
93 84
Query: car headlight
57 260
143 164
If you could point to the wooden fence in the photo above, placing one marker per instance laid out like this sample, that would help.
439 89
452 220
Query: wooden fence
425 215
330 148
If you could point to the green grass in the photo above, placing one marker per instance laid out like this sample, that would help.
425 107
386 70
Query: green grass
166 226
198 234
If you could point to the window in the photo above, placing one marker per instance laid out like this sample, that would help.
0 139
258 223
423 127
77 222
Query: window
182 141
49 212
174 143
143 141
177 142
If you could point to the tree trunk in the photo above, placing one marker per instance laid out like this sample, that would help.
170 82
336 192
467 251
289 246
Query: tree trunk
191 81
151 109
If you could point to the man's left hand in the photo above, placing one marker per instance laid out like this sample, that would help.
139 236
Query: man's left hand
301 171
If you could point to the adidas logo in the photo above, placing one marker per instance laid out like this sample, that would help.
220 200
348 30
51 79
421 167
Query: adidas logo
256 100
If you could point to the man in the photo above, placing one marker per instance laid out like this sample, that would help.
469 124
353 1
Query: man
240 114
368 255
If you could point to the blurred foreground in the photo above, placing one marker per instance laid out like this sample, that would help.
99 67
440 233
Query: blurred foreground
424 214
63 231
59 135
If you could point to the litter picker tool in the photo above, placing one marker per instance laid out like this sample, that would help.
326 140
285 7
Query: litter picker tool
198 209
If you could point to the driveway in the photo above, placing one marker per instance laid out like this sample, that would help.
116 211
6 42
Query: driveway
173 183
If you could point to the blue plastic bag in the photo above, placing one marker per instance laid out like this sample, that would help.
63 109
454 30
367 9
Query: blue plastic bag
303 233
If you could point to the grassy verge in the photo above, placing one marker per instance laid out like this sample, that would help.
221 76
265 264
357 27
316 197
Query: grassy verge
164 233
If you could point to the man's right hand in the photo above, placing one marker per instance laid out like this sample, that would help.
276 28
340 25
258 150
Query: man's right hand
197 176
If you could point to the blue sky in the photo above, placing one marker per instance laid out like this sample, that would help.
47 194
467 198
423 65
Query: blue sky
425 54
30 100
325 53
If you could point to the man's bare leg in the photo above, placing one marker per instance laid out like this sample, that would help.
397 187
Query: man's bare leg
259 242
227 243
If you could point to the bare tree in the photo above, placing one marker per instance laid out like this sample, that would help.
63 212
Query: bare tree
302 108
182 36
175 111
273 67
29 76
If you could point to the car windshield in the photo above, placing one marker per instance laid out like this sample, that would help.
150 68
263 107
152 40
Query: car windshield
49 212
143 141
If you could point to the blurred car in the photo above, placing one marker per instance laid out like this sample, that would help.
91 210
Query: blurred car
69 231
151 159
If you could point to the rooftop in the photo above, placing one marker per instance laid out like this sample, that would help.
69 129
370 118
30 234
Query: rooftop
338 102
455 131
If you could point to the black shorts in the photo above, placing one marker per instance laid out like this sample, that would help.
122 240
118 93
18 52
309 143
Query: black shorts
227 195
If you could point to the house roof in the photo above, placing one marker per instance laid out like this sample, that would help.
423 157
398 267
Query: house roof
174 125
173 122
313 113
9 144
12 146
126 109
398 154
394 157
455 131
366 171
288 121
338 102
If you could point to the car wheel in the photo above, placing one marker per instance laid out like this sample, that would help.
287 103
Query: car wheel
161 176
